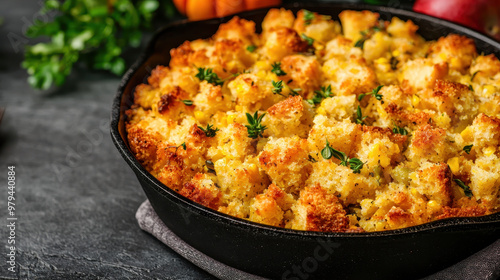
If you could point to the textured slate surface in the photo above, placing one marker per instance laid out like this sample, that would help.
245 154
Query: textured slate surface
76 198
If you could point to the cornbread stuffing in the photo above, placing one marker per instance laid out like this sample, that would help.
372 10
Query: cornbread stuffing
315 124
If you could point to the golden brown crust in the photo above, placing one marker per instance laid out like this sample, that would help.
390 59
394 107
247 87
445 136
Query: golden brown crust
323 211
398 153
196 191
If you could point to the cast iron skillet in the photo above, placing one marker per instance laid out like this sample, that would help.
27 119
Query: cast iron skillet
288 254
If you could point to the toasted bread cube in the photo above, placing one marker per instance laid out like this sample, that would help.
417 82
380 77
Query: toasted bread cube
458 51
202 189
316 210
286 162
289 117
354 22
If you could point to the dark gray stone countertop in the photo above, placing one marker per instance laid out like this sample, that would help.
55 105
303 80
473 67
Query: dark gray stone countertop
75 196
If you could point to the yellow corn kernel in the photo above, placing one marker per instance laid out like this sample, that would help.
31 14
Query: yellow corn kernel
367 207
455 62
443 56
252 168
414 192
379 153
230 118
321 110
262 74
433 206
415 100
489 151
396 53
199 115
466 133
488 90
453 164
354 71
443 120
264 65
382 60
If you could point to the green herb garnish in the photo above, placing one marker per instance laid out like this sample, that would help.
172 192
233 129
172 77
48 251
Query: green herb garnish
294 91
309 40
367 34
277 87
94 32
277 69
467 190
467 148
251 48
354 163
209 131
210 166
399 130
255 127
187 102
183 145
206 74
474 75
308 17
319 95
359 116
374 93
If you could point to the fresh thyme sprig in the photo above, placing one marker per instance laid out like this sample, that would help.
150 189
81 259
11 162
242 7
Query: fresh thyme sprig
255 127
367 34
354 163
277 69
319 95
277 87
294 91
359 117
209 131
468 148
309 40
251 48
207 74
399 130
308 17
373 93
187 102
467 190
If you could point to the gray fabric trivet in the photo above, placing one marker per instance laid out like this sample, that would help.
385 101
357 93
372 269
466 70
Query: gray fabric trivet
484 265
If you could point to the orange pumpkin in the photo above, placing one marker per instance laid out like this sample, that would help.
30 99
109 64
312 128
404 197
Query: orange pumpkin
205 9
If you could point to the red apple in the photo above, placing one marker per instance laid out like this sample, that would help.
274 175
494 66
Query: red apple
481 15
